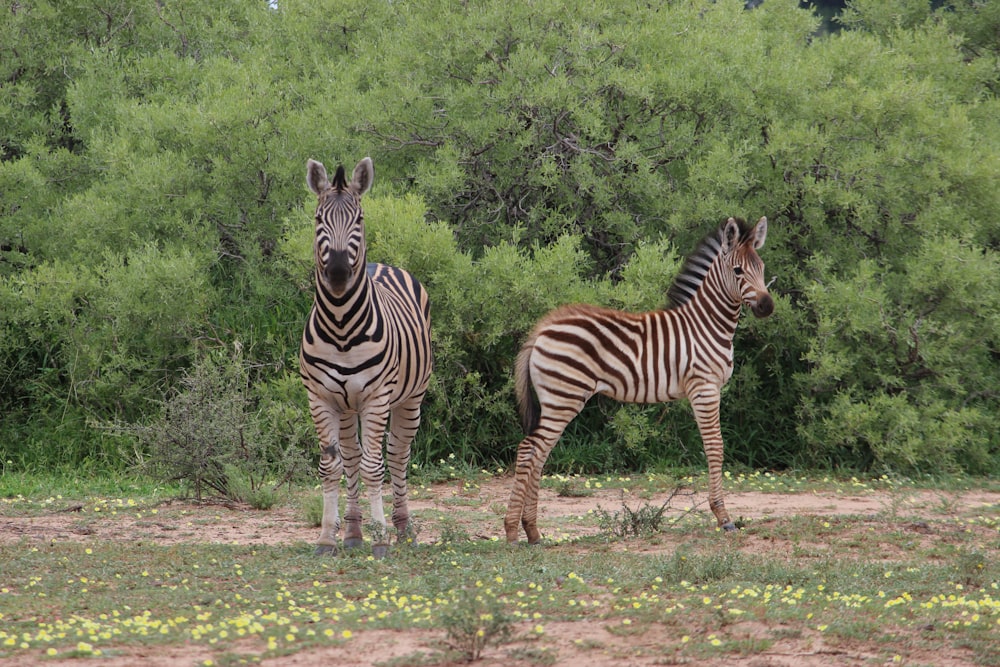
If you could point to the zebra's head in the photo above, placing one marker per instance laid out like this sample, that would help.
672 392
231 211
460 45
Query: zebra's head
339 246
739 252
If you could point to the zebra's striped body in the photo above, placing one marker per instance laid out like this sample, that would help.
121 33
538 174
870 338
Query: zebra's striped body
685 351
365 361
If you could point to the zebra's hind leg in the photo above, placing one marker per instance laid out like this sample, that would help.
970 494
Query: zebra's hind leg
403 423
515 505
522 508
529 516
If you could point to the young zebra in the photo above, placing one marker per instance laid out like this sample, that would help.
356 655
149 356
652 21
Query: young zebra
365 357
685 351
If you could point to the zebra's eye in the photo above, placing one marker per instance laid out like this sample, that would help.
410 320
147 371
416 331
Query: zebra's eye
738 270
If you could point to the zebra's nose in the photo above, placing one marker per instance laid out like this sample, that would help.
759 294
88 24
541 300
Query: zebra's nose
338 269
764 306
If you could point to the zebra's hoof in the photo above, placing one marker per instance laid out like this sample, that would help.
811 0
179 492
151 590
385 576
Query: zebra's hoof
380 551
353 542
326 550
729 527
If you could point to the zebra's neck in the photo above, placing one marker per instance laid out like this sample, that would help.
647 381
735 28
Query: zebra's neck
346 316
701 286
713 305
694 271
711 301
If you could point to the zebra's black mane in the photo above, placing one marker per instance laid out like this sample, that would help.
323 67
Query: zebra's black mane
339 182
696 266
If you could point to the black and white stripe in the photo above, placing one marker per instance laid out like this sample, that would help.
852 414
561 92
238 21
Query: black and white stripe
685 351
365 361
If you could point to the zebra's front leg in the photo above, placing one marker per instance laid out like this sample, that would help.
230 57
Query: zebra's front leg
351 452
403 423
373 474
331 469
705 403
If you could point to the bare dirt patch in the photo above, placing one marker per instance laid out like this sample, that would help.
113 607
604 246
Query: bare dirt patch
477 509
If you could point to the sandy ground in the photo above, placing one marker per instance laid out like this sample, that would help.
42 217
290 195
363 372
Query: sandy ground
478 508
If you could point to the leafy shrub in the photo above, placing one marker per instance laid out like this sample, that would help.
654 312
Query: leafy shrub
210 437
902 366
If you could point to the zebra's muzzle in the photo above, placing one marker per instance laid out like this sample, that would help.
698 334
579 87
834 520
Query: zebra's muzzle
338 270
763 307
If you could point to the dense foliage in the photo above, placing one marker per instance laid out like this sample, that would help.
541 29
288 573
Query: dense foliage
153 210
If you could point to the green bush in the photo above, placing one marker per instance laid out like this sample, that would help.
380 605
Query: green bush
153 208
903 362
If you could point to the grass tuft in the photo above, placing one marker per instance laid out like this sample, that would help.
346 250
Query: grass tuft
643 521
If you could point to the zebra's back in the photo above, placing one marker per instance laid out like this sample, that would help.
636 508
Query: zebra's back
405 301
630 357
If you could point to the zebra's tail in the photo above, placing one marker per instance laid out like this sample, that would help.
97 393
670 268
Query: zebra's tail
526 403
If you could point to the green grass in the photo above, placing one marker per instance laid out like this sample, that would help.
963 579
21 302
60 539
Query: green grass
842 581
68 484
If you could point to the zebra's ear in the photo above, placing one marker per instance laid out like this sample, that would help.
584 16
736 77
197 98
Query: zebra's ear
316 177
364 174
760 233
730 236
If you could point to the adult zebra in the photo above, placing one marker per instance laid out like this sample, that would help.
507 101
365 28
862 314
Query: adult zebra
365 357
577 351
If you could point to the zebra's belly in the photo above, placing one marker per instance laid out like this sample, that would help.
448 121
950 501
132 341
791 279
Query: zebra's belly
660 384
642 392
353 394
